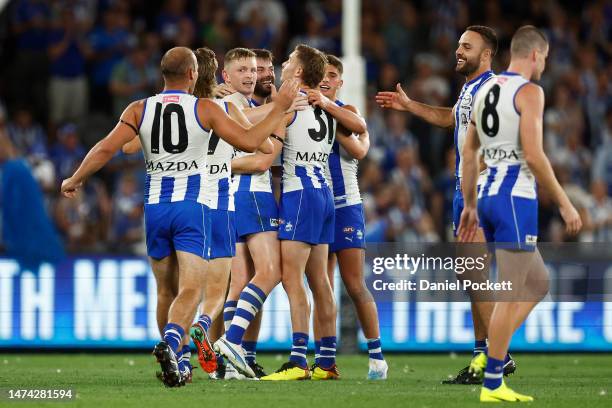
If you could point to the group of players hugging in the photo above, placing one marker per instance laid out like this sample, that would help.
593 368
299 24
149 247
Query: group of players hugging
251 187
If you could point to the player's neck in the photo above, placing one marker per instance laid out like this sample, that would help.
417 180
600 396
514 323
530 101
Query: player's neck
181 87
477 73
523 68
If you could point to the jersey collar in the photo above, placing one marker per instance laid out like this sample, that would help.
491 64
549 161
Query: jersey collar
173 91
484 74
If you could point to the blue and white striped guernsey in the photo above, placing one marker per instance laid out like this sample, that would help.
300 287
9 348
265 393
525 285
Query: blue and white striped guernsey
218 194
308 143
175 145
254 182
463 113
342 175
497 121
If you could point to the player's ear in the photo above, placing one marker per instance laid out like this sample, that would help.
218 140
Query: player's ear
341 83
225 76
298 72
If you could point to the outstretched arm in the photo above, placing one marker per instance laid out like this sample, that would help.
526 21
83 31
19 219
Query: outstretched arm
248 140
438 116
238 115
105 149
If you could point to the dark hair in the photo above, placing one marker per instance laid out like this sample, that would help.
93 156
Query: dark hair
207 68
525 39
263 54
313 65
335 61
236 54
488 35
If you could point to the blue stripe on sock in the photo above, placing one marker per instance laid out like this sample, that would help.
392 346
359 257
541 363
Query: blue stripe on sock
250 349
494 367
173 339
374 344
205 321
259 292
251 299
328 352
300 342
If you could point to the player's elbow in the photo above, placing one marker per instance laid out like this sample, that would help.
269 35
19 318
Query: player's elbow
360 153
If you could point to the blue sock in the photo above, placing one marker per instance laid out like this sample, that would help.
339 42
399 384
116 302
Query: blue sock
328 352
480 346
317 351
250 351
205 321
179 359
186 352
229 308
375 349
251 300
173 333
493 373
298 350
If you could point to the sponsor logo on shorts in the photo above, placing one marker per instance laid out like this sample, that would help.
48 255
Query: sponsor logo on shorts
348 230
274 222
289 226
531 239
359 234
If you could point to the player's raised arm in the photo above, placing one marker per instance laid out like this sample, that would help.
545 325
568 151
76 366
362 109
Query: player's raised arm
468 225
260 162
434 115
105 149
258 113
248 140
238 115
530 104
349 118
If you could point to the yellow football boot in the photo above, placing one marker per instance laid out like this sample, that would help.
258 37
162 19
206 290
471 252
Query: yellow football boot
288 372
319 373
502 393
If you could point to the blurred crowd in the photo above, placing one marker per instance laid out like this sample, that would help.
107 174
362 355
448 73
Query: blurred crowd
71 66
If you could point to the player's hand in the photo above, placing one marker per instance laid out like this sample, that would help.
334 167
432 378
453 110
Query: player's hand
70 187
572 220
316 98
300 103
287 93
223 90
468 225
394 100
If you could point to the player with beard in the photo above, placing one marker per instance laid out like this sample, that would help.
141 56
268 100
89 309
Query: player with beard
507 128
477 47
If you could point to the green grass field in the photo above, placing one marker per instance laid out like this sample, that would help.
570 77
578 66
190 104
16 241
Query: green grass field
128 380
